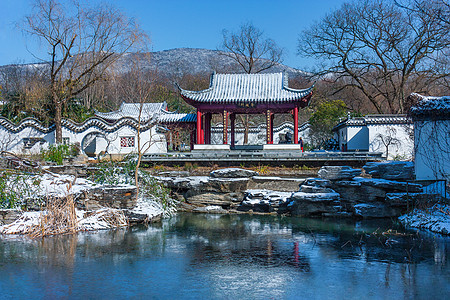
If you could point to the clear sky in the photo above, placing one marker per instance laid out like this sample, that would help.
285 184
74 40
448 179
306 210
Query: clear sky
190 23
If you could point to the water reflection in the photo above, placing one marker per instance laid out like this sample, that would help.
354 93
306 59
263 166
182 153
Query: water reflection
231 256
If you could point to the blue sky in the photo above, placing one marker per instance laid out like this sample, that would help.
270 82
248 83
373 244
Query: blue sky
193 24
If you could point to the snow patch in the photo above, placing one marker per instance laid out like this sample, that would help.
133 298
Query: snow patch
436 219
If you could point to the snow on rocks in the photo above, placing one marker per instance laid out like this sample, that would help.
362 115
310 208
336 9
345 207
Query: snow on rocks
104 218
263 200
436 219
338 172
233 173
61 185
391 170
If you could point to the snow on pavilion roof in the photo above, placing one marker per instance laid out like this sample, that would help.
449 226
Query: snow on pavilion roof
149 111
238 88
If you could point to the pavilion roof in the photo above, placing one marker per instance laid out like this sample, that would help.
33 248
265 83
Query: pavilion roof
238 88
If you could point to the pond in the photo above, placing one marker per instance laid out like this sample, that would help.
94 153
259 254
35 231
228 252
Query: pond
200 256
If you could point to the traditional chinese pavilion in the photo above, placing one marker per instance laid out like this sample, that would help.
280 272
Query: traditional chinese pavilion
231 94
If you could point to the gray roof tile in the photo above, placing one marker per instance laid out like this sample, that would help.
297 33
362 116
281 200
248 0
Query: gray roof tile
259 88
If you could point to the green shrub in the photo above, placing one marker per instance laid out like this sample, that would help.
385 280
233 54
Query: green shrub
57 153
123 173
15 188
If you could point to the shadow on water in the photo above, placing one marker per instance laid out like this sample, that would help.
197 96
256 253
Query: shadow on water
228 256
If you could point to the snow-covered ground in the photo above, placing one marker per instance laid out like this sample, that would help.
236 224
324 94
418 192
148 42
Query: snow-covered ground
105 218
436 219
62 185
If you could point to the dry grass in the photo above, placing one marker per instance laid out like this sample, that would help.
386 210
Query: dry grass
59 218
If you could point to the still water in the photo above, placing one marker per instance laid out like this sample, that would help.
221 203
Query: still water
196 256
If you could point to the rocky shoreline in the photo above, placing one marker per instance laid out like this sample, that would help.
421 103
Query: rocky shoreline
96 206
378 190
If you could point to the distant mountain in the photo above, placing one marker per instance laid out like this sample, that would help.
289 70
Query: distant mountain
178 62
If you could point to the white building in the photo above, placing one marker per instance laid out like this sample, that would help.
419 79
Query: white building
389 134
113 133
431 117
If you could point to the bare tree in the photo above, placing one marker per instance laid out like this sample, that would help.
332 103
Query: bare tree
25 92
253 52
83 44
388 139
379 49
138 88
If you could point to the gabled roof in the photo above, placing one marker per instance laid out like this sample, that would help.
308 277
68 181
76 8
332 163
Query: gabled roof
428 106
131 110
156 111
373 120
238 88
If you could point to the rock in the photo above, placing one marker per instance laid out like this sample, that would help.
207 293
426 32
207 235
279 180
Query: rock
375 210
392 170
134 217
263 200
412 200
233 173
227 185
338 172
310 204
390 185
212 209
207 199
314 189
194 185
114 196
319 182
7 216
275 183
79 170
174 174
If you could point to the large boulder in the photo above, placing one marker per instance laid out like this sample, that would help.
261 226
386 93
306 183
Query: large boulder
7 216
334 173
207 199
114 196
233 173
375 210
275 183
391 170
263 200
311 204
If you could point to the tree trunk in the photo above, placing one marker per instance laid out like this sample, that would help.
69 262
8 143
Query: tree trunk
245 123
58 127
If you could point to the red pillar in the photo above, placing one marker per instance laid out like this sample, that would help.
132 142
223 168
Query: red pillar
225 127
269 127
199 127
272 116
296 125
232 119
